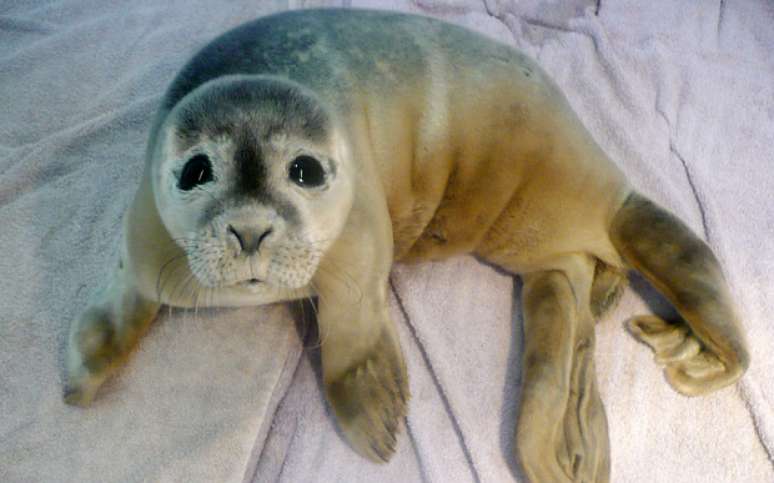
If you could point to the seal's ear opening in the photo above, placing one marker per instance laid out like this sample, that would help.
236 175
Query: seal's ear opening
197 171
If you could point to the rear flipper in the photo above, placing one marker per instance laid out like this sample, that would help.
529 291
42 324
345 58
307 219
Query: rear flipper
707 351
562 434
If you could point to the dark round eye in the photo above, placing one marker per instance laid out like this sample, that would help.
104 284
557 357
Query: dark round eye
198 170
307 172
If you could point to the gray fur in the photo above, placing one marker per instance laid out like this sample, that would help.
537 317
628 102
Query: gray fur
249 110
273 105
330 50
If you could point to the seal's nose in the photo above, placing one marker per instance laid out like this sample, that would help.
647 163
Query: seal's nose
248 237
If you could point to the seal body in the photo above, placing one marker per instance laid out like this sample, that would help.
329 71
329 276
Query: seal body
468 137
305 152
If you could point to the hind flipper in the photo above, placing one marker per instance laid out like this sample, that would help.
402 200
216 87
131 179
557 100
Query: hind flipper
562 432
708 351
606 290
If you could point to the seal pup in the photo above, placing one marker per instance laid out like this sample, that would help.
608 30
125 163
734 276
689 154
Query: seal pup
303 153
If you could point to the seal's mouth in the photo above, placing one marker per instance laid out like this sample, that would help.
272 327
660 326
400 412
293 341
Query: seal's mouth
249 283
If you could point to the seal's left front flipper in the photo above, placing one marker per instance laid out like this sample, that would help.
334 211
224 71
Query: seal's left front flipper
103 335
363 369
370 399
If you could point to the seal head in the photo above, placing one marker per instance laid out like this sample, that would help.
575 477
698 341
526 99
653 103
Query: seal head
252 179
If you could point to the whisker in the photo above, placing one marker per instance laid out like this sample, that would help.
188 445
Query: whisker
322 334
181 287
195 296
304 320
343 277
161 273
211 292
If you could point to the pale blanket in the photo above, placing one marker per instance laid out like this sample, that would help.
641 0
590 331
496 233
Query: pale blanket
680 94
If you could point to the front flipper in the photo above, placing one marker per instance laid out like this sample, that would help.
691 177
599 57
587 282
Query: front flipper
708 350
102 337
369 399
561 434
363 369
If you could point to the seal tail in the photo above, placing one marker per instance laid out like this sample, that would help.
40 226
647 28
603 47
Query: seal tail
706 351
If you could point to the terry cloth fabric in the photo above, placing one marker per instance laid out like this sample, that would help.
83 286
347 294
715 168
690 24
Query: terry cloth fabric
679 94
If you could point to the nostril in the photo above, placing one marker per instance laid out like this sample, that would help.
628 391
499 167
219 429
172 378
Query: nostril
248 238
262 237
238 237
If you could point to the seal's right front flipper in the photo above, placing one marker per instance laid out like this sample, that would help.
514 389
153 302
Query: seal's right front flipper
103 335
708 352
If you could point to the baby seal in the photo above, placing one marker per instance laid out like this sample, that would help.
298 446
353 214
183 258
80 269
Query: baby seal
303 153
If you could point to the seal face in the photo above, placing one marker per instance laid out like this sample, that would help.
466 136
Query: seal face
252 182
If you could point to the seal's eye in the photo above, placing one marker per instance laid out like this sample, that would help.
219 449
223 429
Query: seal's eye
307 172
198 170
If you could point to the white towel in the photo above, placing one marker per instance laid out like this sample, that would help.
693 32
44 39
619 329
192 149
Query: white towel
680 94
